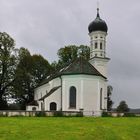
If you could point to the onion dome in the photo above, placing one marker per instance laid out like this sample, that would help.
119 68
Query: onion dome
98 24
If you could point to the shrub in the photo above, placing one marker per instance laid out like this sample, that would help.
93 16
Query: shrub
40 114
105 114
58 114
129 115
79 114
17 116
4 115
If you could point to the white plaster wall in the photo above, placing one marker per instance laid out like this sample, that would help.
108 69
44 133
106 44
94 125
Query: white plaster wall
98 37
88 93
67 82
91 91
100 64
87 97
30 108
42 90
54 97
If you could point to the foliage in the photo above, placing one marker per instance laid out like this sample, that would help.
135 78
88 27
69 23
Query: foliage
105 114
8 61
40 114
3 115
40 68
22 85
109 101
70 53
122 107
79 114
14 106
31 70
63 128
58 114
129 115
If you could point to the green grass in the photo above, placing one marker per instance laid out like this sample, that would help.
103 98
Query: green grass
69 128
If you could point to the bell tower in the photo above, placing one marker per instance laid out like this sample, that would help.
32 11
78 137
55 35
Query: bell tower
98 32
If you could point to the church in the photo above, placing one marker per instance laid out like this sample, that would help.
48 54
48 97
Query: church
81 85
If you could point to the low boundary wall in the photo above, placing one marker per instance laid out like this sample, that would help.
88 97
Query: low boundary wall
10 113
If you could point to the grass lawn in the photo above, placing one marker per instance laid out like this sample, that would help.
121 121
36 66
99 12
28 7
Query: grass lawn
69 128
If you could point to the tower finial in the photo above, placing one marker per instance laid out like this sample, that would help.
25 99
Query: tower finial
98 9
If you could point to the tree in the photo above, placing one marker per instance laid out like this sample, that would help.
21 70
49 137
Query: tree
8 61
122 107
22 84
40 68
69 53
109 101
31 70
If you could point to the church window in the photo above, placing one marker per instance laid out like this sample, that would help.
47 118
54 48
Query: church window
33 108
72 97
101 46
42 106
101 94
96 45
101 54
96 55
53 106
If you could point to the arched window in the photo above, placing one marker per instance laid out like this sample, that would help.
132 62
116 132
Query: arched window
96 45
101 46
42 106
101 94
34 108
53 106
72 97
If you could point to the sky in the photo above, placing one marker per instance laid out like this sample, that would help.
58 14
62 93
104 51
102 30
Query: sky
45 26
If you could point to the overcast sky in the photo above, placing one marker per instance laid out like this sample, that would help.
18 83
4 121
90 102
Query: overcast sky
45 26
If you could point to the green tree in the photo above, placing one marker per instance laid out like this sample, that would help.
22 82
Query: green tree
70 53
22 85
31 70
109 101
122 107
40 68
8 62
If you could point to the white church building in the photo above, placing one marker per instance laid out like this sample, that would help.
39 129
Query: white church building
82 85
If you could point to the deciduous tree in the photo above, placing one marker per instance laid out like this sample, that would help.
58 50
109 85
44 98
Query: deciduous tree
31 70
8 62
109 101
69 53
122 107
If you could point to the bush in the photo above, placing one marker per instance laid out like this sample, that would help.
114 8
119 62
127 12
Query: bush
40 114
105 114
79 114
4 115
129 115
58 114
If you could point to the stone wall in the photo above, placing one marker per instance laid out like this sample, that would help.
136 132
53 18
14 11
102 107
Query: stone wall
37 113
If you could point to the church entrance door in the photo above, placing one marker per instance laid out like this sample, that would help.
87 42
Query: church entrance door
53 106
